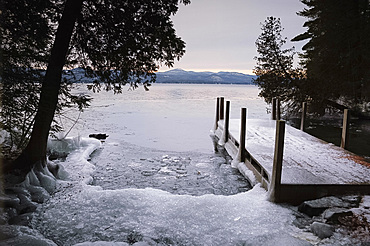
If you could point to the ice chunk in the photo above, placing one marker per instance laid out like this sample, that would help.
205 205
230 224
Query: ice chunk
33 179
102 243
19 235
247 173
47 181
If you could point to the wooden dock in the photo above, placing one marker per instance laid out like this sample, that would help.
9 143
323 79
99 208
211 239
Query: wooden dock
290 164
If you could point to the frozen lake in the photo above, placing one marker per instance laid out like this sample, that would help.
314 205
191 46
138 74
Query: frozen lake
156 180
160 138
170 117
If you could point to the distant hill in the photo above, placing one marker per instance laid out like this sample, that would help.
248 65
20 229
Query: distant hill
182 76
190 77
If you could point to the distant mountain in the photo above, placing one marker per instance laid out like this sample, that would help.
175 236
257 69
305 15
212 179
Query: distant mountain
181 76
190 77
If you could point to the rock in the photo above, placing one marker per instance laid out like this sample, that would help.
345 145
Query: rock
17 190
302 223
7 231
22 235
11 212
141 244
38 194
8 201
316 207
26 205
3 216
280 240
354 201
23 219
333 214
322 230
366 202
100 136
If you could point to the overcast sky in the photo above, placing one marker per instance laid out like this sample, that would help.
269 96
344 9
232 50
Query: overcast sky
220 35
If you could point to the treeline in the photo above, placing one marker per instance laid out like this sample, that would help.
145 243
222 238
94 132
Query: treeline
334 69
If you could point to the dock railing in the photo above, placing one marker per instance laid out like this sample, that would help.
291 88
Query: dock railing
277 192
241 154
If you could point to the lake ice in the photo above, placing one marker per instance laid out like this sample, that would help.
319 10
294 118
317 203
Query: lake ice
156 179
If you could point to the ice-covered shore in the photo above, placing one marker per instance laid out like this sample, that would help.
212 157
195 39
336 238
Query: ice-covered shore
79 213
160 139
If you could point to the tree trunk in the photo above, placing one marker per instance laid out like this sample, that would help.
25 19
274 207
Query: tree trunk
37 146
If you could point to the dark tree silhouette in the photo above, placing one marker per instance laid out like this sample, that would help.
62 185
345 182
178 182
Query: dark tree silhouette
277 77
24 43
119 41
337 55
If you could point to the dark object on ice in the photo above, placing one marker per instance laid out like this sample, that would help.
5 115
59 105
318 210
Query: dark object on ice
100 136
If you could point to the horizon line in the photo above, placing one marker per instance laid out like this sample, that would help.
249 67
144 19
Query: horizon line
248 72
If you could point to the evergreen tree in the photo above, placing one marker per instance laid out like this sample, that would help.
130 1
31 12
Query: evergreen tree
337 55
277 77
119 41
27 29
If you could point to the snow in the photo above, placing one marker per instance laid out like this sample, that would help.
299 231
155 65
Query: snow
247 173
156 180
158 216
155 216
307 159
79 150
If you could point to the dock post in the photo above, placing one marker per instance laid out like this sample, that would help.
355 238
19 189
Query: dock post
243 129
222 105
303 117
274 189
217 113
225 133
278 109
344 139
273 109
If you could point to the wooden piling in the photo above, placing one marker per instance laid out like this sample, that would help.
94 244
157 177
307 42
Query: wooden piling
217 114
274 189
243 129
222 105
225 134
278 114
273 109
344 138
303 117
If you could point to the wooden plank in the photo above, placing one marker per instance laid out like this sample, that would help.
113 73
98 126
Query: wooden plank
274 189
222 106
344 138
273 111
303 117
278 113
306 159
243 129
297 193
217 113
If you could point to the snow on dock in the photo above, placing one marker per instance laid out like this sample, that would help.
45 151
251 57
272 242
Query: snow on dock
310 167
306 159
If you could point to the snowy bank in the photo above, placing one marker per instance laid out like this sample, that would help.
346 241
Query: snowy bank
78 151
20 201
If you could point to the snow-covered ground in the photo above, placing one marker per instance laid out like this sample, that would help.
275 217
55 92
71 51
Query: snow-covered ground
156 179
